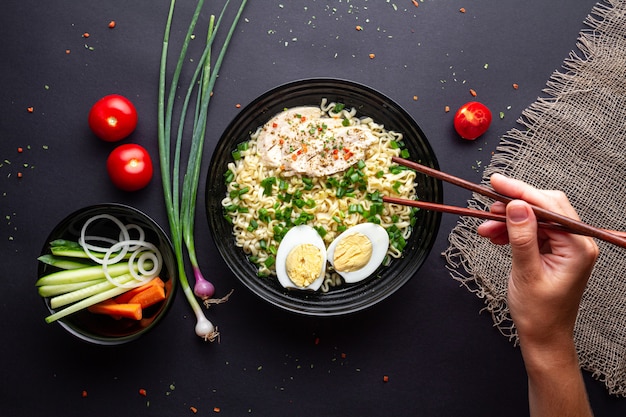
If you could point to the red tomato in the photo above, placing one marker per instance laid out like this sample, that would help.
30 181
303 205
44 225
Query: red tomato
130 167
472 120
113 118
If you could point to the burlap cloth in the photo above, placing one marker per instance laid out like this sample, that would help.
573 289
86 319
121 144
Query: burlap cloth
572 139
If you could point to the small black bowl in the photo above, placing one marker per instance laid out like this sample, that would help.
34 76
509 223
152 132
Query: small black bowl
368 102
101 329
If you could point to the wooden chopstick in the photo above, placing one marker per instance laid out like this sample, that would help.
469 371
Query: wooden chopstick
548 219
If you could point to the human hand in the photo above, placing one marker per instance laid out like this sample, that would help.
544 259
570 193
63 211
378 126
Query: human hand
550 268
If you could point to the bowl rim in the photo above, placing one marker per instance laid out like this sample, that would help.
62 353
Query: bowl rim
172 274
262 104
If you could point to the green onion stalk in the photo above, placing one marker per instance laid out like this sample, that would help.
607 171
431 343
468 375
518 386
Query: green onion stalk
181 207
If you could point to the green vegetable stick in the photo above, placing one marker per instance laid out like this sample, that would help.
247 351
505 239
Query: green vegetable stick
73 252
67 243
52 290
94 299
77 295
63 263
71 276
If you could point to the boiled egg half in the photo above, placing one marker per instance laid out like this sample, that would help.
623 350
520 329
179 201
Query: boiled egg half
357 252
355 255
301 259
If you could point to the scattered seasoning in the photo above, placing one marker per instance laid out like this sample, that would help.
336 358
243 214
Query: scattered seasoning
20 150
142 392
515 86
415 98
67 51
238 105
372 56
473 92
462 10
111 24
415 3
20 175
317 341
83 394
385 378
85 35
359 27
30 109
216 409
447 109
486 66
343 355
501 115
193 409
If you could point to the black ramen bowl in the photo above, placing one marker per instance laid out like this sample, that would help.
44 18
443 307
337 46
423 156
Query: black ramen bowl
346 298
103 329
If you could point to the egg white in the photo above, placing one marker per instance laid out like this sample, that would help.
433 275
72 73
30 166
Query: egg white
380 243
296 236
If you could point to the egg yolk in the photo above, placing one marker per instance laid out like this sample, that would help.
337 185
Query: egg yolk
352 253
304 264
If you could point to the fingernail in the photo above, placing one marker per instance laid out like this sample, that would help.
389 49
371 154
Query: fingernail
517 213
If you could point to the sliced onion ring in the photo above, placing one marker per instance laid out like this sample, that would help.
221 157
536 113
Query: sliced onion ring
142 253
88 248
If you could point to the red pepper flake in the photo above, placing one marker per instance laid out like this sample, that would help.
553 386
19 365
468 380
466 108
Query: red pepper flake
20 175
67 51
372 56
515 86
86 35
193 409
274 125
359 27
111 24
238 105
30 109
216 409
83 394
317 339
446 109
142 392
343 355
473 92
462 10
385 378
20 150
415 3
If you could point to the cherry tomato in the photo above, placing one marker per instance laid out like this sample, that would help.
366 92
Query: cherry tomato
472 120
130 167
113 118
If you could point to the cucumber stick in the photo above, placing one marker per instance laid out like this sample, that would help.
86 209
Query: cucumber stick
87 302
64 263
71 276
73 252
80 294
52 290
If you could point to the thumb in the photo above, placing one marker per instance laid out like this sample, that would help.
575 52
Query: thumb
521 226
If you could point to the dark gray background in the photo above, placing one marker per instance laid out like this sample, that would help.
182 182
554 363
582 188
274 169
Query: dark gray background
443 357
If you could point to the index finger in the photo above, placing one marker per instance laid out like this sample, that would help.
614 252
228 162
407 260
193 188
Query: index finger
555 201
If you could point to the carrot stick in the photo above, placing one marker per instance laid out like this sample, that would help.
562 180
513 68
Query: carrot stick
149 296
115 310
125 297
